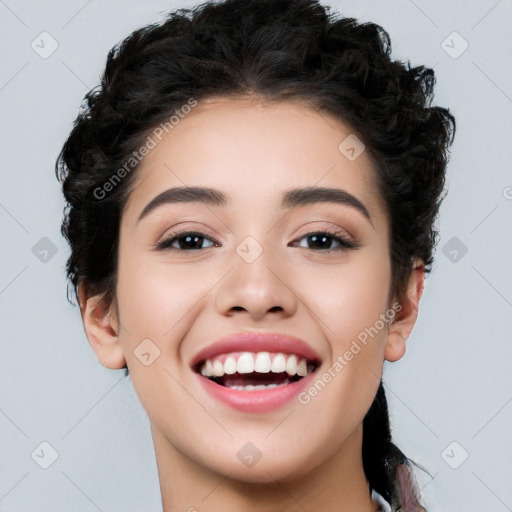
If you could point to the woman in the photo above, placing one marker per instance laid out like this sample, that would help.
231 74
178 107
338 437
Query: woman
251 195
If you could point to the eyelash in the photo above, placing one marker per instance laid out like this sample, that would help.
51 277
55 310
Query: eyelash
345 243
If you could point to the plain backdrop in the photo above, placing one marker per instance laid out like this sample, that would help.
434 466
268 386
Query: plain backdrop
450 396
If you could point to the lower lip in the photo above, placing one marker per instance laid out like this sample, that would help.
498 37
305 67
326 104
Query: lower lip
260 401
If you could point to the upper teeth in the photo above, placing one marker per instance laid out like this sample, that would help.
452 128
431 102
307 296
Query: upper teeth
259 362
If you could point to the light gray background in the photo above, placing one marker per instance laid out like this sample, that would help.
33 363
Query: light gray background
453 385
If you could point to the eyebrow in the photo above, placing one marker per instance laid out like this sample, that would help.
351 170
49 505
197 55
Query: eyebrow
291 198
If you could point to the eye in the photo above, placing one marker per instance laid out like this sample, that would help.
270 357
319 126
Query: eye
322 241
186 241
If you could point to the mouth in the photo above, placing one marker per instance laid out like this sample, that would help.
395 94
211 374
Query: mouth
255 371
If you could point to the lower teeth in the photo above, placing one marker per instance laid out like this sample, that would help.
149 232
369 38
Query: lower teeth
258 387
280 381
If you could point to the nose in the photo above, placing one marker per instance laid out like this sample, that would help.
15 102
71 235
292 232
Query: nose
257 289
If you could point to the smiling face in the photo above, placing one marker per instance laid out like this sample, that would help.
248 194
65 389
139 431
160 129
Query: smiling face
288 236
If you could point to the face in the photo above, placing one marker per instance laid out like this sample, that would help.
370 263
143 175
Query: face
255 259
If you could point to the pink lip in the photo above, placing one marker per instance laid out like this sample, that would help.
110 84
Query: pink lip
257 342
256 401
263 400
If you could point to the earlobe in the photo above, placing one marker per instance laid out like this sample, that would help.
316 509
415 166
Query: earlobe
101 330
403 323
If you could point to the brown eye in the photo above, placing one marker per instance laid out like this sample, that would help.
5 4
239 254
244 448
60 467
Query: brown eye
323 240
186 241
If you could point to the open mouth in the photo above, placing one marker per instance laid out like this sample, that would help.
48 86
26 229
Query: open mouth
255 371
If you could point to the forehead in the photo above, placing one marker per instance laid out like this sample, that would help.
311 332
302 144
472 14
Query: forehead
255 150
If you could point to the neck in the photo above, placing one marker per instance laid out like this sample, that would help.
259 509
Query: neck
338 484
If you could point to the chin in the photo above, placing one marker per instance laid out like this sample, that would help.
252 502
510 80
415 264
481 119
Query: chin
266 466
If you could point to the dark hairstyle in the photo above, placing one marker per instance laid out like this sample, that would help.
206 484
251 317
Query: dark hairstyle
276 50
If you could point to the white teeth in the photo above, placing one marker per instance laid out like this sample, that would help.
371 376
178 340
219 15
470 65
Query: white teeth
260 362
229 365
207 369
218 369
302 368
245 363
259 387
291 365
278 364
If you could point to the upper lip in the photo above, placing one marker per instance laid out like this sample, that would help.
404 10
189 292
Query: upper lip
256 342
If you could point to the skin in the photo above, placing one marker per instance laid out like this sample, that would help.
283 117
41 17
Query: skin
254 151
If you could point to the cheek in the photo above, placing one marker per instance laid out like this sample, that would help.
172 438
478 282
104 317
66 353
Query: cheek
155 298
352 307
348 298
155 305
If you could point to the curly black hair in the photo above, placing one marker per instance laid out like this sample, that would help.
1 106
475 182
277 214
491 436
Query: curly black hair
279 50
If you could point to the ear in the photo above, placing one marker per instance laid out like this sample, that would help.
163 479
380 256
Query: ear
407 313
101 329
